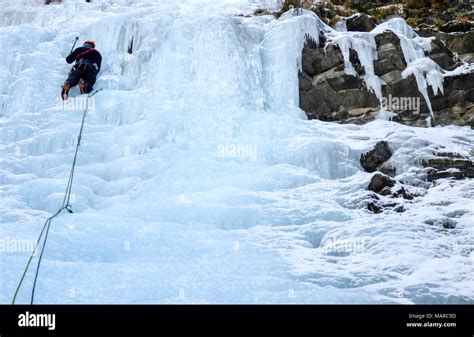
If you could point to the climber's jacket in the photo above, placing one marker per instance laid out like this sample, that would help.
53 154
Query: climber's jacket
85 54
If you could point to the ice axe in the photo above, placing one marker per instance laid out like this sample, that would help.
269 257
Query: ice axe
75 41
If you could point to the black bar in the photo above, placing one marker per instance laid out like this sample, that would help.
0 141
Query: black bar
243 320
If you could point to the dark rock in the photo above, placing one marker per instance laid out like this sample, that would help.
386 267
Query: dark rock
461 82
451 116
388 37
342 113
306 82
354 59
360 120
390 56
379 182
388 64
317 60
371 160
440 103
456 97
399 209
360 23
379 207
456 26
397 119
439 47
469 95
358 98
403 193
314 104
387 50
449 224
443 60
445 222
392 77
381 185
441 54
386 191
341 81
465 44
361 113
449 165
406 87
321 102
461 43
332 95
374 207
346 99
453 155
383 66
435 175
261 11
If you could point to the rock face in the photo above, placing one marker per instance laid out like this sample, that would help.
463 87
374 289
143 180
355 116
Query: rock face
360 23
378 206
381 183
445 222
449 165
373 160
387 193
328 94
463 44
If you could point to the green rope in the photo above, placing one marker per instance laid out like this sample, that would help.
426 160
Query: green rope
65 206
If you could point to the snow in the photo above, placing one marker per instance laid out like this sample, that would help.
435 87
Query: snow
199 180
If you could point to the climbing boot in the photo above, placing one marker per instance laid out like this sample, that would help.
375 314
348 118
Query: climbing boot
65 92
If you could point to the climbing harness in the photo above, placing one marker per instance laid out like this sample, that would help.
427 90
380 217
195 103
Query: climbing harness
66 206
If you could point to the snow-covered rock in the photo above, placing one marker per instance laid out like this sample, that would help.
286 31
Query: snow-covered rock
389 68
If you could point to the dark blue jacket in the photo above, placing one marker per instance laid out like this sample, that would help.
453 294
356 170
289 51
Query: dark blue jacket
91 55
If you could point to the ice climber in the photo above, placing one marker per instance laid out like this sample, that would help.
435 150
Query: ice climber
84 72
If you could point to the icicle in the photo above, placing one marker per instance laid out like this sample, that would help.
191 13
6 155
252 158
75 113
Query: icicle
366 49
426 71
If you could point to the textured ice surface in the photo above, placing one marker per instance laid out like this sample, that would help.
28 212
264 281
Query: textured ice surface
199 180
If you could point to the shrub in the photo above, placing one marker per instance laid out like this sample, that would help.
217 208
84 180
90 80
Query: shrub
418 4
413 22
439 4
433 4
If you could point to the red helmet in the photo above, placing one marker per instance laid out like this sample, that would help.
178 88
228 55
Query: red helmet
90 42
